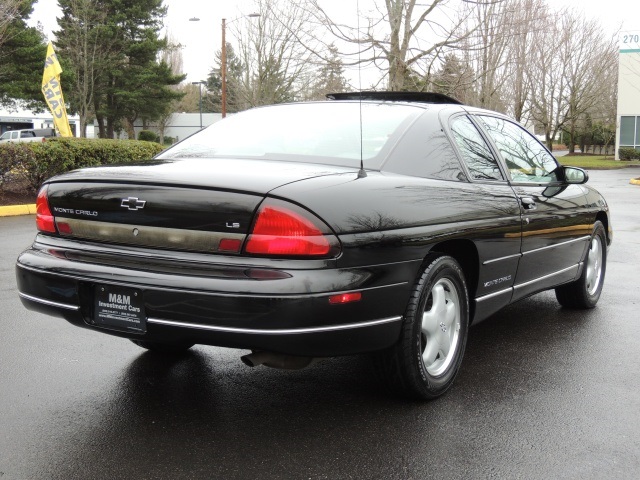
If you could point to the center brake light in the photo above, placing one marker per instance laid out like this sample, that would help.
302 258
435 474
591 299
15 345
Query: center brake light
44 219
282 229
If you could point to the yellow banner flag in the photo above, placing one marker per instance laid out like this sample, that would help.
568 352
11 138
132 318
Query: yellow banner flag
53 92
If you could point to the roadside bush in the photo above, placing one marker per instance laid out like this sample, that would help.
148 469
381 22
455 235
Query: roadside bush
147 136
628 153
12 157
38 161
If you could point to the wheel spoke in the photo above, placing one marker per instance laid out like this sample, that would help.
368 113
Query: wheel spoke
440 326
590 274
430 318
444 341
430 352
439 298
429 323
593 266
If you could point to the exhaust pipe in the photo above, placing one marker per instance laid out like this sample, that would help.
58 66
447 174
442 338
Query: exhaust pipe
277 360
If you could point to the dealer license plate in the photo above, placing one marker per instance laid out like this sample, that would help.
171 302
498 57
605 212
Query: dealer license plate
119 308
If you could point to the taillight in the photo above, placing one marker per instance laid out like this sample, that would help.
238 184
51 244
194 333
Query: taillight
285 230
44 219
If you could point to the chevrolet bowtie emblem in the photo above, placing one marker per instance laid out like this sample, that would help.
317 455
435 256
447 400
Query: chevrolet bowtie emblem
132 203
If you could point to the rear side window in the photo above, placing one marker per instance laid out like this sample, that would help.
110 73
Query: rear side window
526 159
475 152
425 151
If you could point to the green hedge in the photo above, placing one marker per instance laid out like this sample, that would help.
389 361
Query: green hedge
626 153
38 161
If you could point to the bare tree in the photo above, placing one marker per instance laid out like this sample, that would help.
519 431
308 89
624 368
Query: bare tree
546 71
499 51
83 42
530 18
487 51
403 38
273 51
587 54
172 56
9 9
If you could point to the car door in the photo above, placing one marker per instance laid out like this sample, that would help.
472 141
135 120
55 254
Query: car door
499 248
555 225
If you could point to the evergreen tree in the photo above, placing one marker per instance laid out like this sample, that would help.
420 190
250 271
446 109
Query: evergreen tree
330 77
22 53
212 100
454 79
128 81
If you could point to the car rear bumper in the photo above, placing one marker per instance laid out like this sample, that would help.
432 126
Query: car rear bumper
288 311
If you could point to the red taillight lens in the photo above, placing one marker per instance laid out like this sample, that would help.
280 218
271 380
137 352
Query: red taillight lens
44 219
286 230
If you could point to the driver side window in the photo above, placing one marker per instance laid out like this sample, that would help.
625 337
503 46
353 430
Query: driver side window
526 159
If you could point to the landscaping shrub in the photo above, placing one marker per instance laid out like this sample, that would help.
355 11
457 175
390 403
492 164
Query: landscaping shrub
626 153
38 161
12 157
147 136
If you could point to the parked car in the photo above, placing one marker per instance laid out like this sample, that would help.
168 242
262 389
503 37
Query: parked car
374 222
15 136
45 132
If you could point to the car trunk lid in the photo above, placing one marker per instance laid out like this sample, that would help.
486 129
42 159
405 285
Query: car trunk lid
188 205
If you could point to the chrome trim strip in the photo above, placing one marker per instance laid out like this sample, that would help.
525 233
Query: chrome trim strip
294 331
146 236
581 239
559 272
508 257
49 302
494 294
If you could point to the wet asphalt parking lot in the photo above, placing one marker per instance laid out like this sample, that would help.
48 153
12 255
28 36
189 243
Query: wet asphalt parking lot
543 393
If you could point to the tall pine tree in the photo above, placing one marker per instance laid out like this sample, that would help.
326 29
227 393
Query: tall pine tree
122 80
22 53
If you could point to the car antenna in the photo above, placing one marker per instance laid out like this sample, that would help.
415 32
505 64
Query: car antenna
361 172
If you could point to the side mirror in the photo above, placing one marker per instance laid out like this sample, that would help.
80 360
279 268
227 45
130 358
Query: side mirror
575 175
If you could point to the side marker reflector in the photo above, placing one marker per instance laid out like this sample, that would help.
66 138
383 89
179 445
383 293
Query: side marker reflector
345 298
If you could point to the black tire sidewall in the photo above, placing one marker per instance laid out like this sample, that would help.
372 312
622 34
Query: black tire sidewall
441 267
592 299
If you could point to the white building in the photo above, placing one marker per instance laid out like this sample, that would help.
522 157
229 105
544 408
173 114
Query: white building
181 125
628 116
21 119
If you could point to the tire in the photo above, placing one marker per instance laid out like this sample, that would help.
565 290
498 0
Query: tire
425 361
585 292
167 348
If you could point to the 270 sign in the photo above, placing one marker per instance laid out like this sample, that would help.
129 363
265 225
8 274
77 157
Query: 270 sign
630 41
631 38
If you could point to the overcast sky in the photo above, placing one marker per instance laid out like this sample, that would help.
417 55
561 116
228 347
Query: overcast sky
202 39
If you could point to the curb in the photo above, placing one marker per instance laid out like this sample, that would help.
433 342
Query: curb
14 210
635 181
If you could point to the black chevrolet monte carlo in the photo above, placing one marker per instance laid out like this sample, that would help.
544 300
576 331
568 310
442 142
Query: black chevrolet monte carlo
372 222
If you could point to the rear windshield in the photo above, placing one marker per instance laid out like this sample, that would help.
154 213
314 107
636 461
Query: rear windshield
326 132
